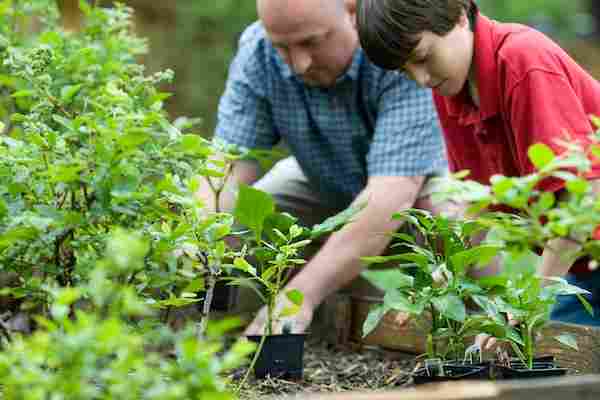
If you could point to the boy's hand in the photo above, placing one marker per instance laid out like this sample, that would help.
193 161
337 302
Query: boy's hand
488 342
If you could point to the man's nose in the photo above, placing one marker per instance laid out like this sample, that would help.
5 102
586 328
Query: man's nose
300 60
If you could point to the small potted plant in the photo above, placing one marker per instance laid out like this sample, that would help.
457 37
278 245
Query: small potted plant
431 277
276 243
528 299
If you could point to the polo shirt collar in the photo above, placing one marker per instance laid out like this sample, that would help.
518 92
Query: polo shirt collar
485 59
351 73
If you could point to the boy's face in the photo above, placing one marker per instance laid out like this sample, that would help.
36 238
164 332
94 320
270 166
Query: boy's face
443 63
317 40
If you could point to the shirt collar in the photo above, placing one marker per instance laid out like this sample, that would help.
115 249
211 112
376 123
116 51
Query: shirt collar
351 72
486 67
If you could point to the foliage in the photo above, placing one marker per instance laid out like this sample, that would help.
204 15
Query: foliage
87 148
526 298
554 17
521 218
276 242
98 353
445 250
536 217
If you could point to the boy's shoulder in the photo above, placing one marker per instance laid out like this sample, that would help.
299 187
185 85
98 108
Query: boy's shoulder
522 49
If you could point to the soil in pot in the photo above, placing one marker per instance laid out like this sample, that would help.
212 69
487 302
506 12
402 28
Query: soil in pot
281 356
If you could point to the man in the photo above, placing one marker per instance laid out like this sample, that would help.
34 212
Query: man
498 88
356 133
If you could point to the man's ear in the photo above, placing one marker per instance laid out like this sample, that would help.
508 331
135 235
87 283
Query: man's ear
350 6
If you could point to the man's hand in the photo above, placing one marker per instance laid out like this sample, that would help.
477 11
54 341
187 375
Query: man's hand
297 323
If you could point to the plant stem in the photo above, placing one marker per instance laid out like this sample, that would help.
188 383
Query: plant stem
253 363
211 281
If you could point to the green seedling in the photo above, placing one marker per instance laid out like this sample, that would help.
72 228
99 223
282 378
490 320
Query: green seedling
444 249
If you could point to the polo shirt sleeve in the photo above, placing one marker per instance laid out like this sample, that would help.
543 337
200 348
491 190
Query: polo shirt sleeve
244 116
407 140
544 108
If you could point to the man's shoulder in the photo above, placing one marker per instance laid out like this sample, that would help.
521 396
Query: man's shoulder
255 53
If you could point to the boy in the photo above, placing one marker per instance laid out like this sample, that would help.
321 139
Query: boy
498 88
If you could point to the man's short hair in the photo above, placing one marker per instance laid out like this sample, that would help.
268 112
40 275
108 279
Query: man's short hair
390 30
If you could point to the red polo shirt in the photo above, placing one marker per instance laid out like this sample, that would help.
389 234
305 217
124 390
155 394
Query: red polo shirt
530 92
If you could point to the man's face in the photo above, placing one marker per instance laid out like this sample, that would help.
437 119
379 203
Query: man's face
443 63
316 39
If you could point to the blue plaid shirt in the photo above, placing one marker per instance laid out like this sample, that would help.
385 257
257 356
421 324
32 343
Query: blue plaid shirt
372 122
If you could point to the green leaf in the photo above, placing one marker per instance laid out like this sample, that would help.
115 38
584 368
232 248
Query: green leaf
450 306
586 304
540 155
194 145
133 138
289 311
194 286
23 93
64 173
578 186
568 340
404 237
375 315
388 279
252 208
243 265
68 92
295 296
334 223
282 222
396 300
480 256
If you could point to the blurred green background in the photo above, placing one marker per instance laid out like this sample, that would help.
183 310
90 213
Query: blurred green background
196 39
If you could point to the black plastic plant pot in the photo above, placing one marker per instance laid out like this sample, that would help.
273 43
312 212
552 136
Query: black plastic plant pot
543 367
452 372
281 356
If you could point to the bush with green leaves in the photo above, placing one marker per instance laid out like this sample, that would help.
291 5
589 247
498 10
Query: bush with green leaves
104 350
87 147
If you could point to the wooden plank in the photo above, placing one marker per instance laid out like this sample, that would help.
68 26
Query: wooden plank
389 333
585 387
411 338
332 322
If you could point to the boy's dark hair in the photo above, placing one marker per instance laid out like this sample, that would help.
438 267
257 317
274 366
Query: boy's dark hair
389 30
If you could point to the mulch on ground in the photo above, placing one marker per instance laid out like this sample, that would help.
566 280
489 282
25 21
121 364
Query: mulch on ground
328 370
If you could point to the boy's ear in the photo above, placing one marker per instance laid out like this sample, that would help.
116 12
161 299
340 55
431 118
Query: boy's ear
463 20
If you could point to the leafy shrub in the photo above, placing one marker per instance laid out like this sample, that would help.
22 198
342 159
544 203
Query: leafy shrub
101 354
87 149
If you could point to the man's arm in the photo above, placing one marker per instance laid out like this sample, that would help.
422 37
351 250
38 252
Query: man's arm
243 172
338 261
